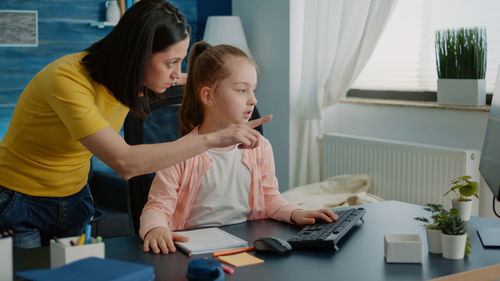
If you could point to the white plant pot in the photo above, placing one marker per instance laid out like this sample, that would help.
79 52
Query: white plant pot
433 240
464 208
461 92
453 246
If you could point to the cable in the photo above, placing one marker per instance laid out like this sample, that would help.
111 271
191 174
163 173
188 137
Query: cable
495 210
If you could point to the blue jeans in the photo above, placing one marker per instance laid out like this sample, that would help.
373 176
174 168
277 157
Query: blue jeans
35 220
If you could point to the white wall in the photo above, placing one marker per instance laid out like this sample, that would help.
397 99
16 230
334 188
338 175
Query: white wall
266 26
457 129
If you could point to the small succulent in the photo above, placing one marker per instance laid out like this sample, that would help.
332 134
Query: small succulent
453 225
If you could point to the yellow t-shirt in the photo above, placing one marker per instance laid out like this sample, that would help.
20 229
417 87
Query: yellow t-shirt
40 154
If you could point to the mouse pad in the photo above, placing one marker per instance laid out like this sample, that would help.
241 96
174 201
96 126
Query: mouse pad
240 259
489 236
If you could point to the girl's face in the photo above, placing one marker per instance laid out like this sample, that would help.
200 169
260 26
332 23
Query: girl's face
234 97
164 66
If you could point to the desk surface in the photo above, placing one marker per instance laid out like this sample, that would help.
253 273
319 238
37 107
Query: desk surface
361 255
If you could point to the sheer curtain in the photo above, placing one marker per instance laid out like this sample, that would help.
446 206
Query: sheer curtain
337 40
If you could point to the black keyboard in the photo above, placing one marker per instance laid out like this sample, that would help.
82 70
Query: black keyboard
326 235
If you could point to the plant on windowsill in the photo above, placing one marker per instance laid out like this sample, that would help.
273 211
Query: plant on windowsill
464 189
461 66
454 241
433 226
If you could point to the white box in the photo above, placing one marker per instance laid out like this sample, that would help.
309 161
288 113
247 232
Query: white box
403 248
63 253
6 259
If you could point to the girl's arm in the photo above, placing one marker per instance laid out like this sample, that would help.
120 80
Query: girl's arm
162 201
158 211
277 207
132 160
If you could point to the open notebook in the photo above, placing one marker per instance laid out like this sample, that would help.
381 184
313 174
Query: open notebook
208 240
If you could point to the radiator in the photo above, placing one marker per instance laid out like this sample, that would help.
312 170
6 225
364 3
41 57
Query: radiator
409 172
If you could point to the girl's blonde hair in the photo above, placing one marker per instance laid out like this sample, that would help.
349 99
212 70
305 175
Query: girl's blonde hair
205 68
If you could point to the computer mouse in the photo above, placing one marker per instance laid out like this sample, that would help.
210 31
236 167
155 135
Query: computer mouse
273 245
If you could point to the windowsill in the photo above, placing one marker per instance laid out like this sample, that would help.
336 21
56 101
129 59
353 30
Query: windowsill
415 104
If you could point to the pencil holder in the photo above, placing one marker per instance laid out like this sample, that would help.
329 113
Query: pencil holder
6 259
62 252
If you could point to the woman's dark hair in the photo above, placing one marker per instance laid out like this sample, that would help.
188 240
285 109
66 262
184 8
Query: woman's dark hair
206 67
119 60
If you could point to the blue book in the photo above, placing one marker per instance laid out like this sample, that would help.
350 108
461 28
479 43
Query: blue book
95 269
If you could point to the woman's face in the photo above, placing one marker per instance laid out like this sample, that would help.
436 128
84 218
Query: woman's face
164 66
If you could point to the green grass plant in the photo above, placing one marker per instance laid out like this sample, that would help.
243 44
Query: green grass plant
461 53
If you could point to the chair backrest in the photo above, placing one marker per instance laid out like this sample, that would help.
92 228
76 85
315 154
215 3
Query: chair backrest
161 125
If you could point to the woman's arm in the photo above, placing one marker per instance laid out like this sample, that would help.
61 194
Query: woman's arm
132 160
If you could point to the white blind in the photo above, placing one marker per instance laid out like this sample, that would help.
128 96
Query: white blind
404 59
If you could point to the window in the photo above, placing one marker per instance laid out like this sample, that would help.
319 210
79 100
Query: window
404 58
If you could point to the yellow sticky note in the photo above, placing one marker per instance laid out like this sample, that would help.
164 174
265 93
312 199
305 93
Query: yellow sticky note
241 259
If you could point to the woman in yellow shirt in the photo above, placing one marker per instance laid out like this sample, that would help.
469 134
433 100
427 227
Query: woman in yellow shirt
74 108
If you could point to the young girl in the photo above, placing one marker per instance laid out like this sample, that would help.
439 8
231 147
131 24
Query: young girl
223 185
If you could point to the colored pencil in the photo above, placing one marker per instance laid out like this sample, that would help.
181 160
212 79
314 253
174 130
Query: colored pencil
233 251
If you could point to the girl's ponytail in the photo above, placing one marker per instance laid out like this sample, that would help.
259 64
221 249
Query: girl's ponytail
191 111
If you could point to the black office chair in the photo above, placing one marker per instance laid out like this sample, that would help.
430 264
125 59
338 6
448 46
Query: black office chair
111 201
161 125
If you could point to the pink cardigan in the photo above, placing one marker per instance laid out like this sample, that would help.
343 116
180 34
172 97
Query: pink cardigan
174 190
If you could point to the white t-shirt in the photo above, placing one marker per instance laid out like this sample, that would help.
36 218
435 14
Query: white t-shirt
224 192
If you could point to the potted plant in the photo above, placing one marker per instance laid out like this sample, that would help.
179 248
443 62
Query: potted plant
464 189
461 66
454 241
433 226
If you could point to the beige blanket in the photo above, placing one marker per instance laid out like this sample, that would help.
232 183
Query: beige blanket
338 191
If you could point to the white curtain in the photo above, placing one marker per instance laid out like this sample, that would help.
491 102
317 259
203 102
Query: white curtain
338 38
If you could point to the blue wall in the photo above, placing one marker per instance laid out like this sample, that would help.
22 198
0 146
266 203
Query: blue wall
210 8
64 28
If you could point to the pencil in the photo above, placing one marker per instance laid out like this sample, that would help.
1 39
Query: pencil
81 241
58 241
227 269
233 251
